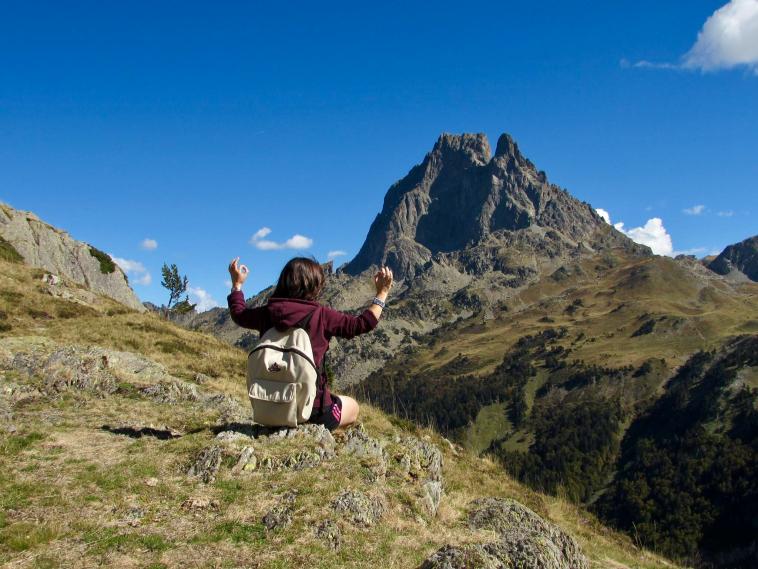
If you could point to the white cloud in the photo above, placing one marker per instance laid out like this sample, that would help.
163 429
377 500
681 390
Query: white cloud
134 269
228 283
694 210
729 38
727 213
337 253
297 241
653 234
149 244
201 298
260 234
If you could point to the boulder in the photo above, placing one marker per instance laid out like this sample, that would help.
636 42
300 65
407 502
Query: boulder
525 541
360 509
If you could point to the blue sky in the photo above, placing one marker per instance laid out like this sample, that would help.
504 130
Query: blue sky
196 124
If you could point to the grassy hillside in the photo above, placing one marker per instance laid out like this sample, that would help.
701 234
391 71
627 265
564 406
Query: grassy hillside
551 382
96 445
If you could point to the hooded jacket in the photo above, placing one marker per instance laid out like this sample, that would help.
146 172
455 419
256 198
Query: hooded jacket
283 313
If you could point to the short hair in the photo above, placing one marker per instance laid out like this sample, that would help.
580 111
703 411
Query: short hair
301 278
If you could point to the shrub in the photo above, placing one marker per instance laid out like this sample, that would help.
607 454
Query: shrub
107 266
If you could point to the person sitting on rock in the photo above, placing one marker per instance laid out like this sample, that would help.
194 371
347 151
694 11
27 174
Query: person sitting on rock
295 296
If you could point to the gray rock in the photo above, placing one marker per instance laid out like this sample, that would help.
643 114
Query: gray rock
470 556
368 450
201 378
329 533
526 540
44 246
361 509
247 461
171 392
432 495
422 461
738 259
279 517
206 465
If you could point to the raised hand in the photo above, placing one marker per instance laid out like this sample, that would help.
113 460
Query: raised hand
383 281
238 273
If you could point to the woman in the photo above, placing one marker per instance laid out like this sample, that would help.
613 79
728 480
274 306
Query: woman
295 296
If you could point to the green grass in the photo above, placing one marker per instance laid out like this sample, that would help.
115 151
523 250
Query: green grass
491 423
21 536
103 540
234 531
15 444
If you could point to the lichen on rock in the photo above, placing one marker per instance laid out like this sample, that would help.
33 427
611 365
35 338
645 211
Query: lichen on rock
525 541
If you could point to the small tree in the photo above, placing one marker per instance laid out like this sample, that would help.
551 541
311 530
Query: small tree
177 286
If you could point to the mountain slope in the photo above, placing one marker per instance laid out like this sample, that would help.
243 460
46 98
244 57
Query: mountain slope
124 441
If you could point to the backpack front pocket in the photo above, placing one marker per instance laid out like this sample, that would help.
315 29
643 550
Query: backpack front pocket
274 402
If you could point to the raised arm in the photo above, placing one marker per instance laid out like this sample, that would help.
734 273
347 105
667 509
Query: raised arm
238 310
348 326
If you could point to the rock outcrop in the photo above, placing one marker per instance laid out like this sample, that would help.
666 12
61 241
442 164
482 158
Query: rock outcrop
525 541
458 196
44 246
739 260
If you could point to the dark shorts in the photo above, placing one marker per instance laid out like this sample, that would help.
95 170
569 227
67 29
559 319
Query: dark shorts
329 417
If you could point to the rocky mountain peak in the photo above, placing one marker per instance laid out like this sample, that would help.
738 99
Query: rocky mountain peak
459 195
739 260
466 148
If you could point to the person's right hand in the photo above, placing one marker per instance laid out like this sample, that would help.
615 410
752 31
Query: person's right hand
383 281
238 273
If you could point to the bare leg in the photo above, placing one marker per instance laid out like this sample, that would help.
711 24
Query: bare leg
349 410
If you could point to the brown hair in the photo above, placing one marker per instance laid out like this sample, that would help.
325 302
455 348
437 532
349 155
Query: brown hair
300 278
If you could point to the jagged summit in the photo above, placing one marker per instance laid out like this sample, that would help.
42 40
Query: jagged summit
738 260
460 194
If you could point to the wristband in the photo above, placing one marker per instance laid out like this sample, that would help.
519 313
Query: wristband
378 302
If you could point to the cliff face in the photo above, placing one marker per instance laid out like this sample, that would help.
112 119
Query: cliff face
44 246
740 258
459 196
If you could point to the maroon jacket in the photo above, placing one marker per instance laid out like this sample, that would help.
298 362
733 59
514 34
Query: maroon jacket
284 313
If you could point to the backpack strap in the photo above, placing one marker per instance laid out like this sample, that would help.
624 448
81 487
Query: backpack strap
322 368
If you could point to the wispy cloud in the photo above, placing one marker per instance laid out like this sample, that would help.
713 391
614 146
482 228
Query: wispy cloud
201 298
728 39
694 210
727 213
297 241
336 253
134 269
149 244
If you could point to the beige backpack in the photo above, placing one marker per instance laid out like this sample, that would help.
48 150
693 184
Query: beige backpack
281 377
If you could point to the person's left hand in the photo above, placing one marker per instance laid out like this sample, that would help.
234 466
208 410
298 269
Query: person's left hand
238 273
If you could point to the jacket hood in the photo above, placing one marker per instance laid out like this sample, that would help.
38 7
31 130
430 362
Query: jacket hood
286 312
